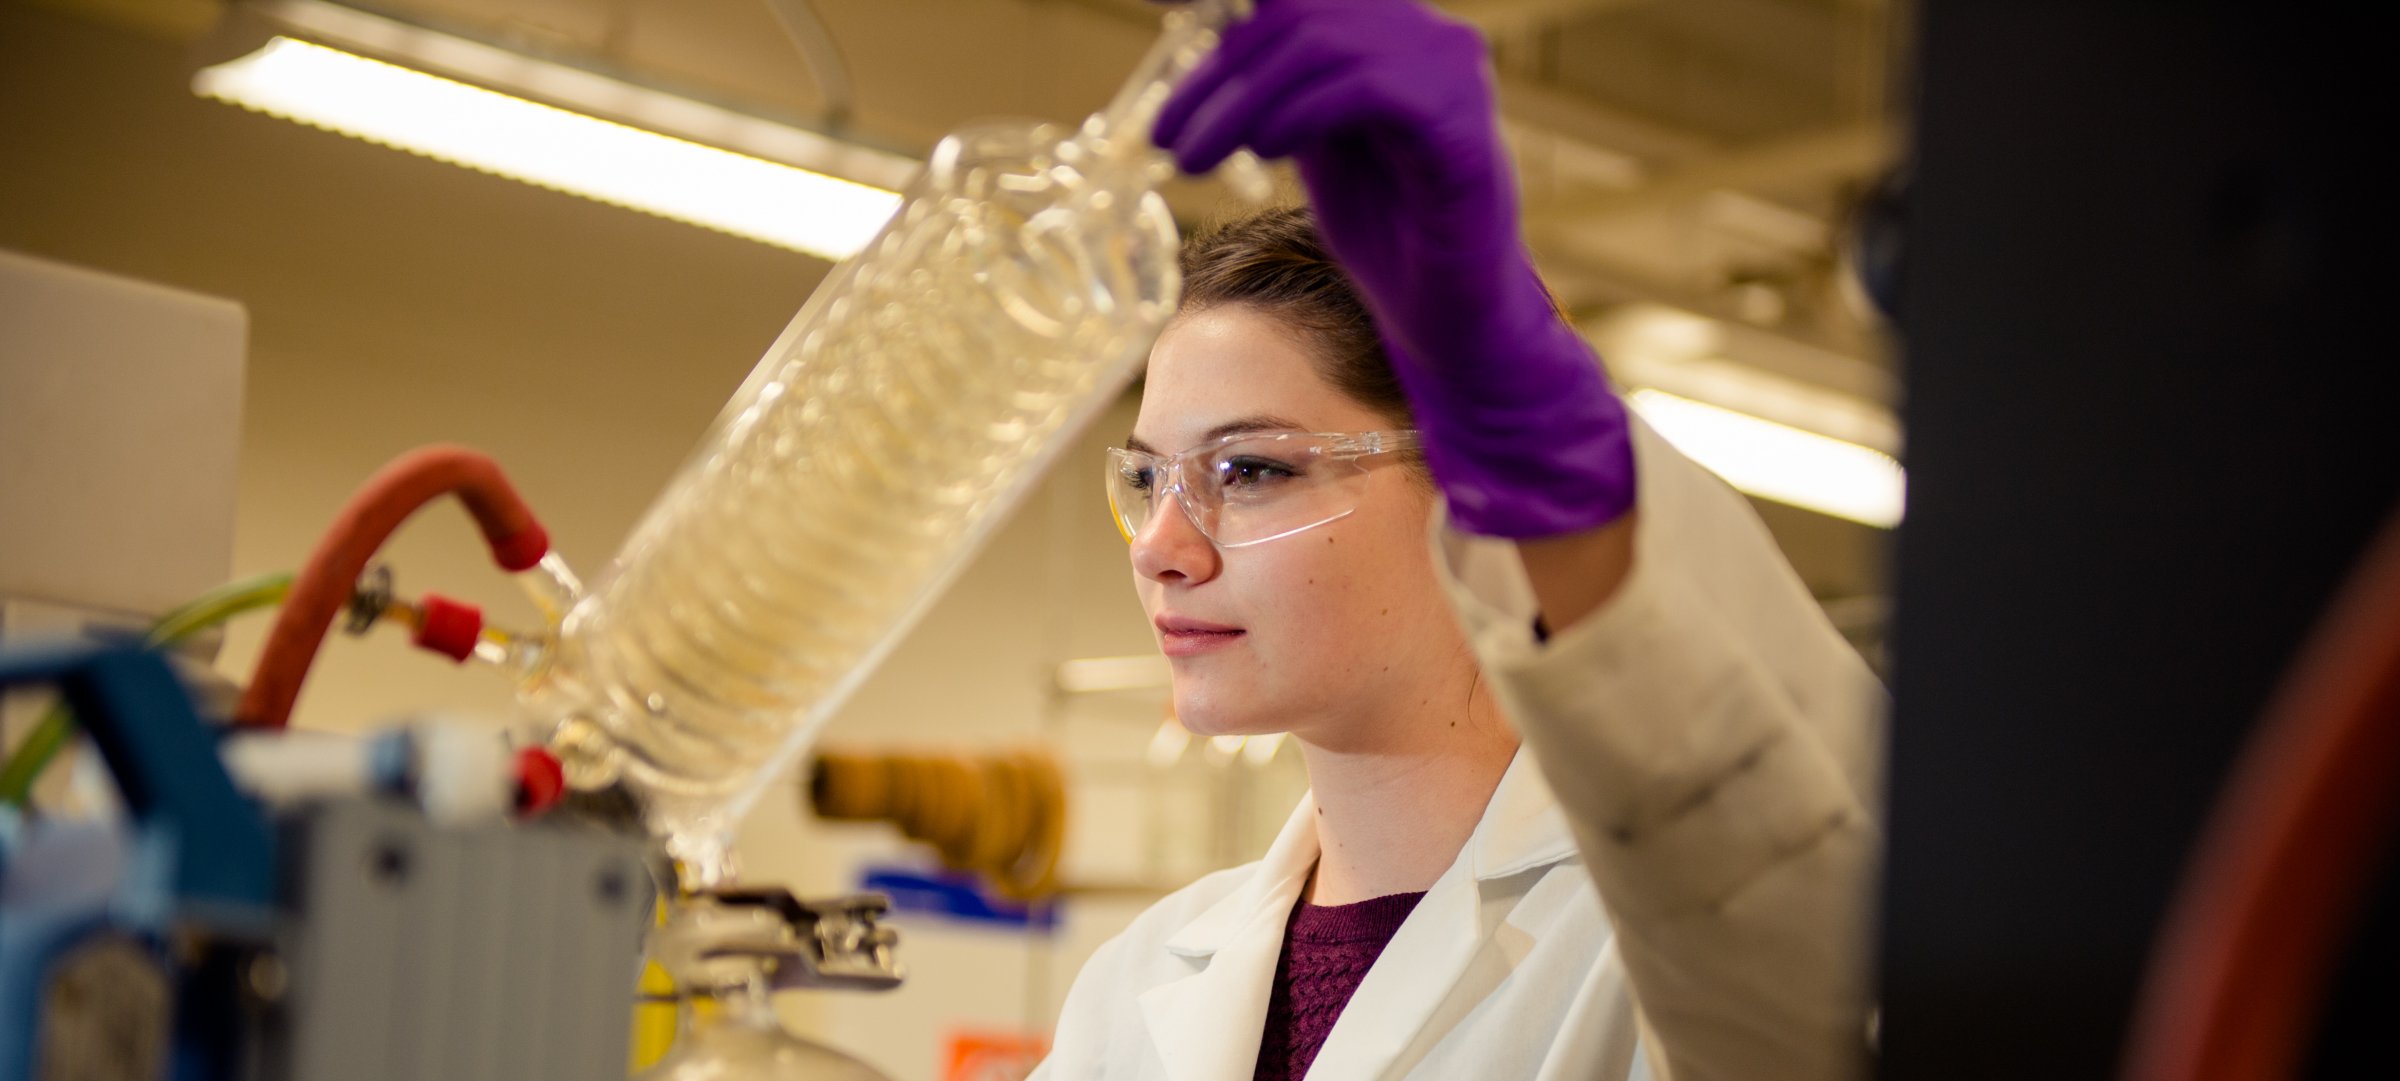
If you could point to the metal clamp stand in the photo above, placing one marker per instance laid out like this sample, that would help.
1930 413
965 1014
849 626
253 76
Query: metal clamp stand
835 943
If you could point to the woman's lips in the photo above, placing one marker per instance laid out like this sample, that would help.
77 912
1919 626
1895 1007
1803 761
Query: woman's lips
1179 637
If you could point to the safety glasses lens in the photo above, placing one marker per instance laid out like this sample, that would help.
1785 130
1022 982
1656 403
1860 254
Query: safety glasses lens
1133 482
1242 491
1275 486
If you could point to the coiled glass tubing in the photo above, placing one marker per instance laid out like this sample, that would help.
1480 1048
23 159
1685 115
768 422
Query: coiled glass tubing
913 399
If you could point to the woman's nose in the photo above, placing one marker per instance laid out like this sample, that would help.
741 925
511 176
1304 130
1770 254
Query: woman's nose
1169 547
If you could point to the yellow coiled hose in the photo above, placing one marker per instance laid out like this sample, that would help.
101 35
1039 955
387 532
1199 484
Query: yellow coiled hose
1002 815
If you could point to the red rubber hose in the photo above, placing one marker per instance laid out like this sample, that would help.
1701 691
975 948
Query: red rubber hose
373 512
2281 879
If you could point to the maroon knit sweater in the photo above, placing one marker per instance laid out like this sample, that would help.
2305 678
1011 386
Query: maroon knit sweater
1327 950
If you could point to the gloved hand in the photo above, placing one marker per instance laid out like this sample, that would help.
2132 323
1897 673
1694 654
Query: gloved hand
1387 109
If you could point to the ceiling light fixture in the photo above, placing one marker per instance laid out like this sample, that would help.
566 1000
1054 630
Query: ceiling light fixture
559 127
1774 417
1780 462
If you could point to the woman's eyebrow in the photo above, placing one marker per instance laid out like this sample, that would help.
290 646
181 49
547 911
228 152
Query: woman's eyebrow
1256 422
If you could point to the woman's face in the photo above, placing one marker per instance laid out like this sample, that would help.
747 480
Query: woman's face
1318 633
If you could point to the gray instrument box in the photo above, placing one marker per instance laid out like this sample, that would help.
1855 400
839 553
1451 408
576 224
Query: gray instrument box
416 953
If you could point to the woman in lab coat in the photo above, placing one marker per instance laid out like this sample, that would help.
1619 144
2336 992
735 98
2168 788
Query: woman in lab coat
1667 877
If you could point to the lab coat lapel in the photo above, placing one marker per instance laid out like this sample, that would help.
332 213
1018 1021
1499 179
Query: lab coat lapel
1207 1025
1457 946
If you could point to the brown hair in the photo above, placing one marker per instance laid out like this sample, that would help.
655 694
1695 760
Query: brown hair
1274 261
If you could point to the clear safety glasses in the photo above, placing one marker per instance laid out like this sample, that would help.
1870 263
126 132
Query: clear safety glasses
1250 488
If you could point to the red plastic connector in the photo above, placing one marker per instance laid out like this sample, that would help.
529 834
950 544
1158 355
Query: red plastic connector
448 627
541 781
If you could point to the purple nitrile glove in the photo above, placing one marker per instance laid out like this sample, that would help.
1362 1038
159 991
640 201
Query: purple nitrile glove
1387 108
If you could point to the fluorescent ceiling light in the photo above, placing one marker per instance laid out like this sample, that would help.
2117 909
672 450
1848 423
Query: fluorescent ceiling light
1780 462
1167 744
1095 675
555 148
1260 750
1768 396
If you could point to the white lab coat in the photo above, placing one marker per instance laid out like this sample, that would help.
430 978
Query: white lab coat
1709 745
1505 970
